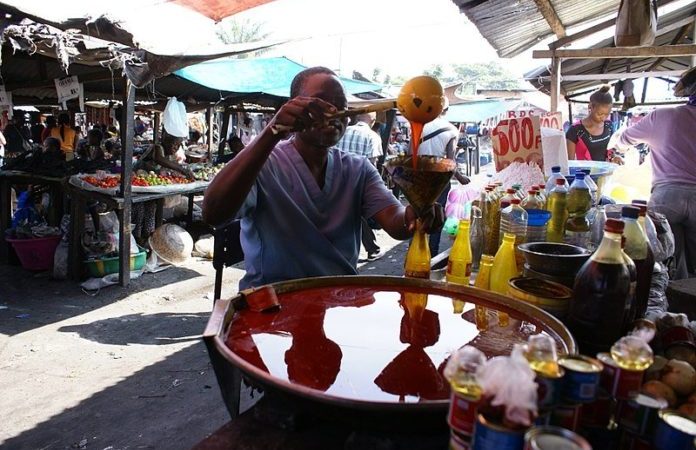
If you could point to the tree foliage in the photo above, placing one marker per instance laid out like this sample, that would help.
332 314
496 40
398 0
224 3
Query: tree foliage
236 31
490 75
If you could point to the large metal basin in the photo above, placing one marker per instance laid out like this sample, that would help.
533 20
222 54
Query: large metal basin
368 351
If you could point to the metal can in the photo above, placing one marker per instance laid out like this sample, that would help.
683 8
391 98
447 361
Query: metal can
599 412
674 431
581 378
566 416
619 382
549 389
639 415
543 418
548 438
459 441
491 436
462 413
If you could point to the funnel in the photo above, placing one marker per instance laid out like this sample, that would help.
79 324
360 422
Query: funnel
423 185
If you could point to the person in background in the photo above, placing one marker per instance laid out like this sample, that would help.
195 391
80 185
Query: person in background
360 139
236 145
50 124
588 139
299 198
37 128
51 147
670 134
91 148
246 131
17 137
440 139
139 127
67 135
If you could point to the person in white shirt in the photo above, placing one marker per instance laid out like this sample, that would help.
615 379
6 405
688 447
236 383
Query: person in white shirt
440 139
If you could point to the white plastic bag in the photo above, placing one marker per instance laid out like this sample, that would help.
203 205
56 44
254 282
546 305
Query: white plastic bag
174 118
636 23
554 149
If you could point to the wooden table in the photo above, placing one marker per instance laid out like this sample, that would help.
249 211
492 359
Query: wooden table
81 197
9 178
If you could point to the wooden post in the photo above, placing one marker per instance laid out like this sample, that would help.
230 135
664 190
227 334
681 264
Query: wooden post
156 128
127 121
223 131
211 119
645 90
570 111
555 83
693 39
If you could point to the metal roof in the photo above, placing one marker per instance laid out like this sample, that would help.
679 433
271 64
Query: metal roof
513 26
539 77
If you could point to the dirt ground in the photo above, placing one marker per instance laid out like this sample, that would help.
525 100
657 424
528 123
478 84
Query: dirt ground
125 369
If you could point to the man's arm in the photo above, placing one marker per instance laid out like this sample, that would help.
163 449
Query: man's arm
230 187
451 152
638 133
570 145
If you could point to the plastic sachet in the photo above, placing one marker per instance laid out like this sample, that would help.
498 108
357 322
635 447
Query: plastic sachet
508 381
633 352
465 360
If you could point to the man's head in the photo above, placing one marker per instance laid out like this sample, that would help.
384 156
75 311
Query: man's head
51 145
322 83
94 136
368 118
51 121
170 143
235 143
64 119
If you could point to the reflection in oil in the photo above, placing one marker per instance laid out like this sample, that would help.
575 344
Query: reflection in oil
370 344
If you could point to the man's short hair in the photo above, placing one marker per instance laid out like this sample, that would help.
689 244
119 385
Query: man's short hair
300 79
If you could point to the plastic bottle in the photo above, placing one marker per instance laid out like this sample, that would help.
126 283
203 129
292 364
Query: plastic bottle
536 225
600 295
638 249
532 201
465 390
597 227
417 264
459 262
492 223
594 189
551 182
556 205
476 237
646 223
541 355
507 198
579 204
513 220
504 268
483 281
541 196
519 193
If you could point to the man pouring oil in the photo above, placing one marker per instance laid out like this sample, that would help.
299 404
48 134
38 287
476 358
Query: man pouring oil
299 198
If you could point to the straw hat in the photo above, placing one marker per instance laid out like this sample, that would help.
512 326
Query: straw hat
171 243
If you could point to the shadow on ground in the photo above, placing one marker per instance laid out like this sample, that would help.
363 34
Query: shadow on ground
52 300
145 329
170 405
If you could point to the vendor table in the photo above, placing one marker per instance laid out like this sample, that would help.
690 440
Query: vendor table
258 430
80 199
9 178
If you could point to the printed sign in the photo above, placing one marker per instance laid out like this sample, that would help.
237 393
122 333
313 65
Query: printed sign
518 138
68 88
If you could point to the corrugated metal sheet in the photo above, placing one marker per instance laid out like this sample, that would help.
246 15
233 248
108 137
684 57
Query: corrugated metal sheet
596 66
513 26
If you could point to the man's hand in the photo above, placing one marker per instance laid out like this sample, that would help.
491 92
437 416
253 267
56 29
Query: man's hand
431 221
300 113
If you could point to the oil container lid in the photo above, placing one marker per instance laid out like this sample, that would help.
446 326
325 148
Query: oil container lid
614 226
630 212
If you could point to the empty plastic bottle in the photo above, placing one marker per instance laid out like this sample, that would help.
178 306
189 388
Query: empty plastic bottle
594 189
597 227
551 182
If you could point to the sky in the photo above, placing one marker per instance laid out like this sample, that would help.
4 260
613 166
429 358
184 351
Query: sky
401 37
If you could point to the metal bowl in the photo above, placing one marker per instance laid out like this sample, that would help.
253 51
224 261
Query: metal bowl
552 258
367 351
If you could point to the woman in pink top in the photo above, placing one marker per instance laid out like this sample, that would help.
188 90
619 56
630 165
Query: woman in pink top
670 134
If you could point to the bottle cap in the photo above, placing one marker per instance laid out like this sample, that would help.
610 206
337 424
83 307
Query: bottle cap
556 169
532 191
640 202
510 191
614 226
535 187
642 208
542 186
579 176
586 171
560 182
489 188
515 201
630 212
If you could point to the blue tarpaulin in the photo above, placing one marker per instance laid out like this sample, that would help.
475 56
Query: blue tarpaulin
479 110
271 76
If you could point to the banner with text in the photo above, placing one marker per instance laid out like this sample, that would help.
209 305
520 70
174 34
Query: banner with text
518 137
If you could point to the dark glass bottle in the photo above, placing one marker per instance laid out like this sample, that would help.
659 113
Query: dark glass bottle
600 300
638 248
